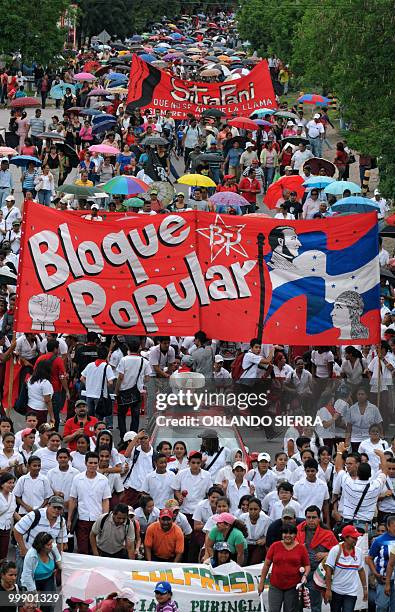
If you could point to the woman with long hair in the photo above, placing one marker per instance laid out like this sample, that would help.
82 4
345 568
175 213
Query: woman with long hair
180 452
40 564
8 512
105 438
40 391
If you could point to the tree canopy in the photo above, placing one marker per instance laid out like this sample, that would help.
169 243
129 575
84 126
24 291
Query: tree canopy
345 47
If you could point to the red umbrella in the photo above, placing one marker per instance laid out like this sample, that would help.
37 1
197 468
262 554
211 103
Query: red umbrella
390 220
244 123
74 109
91 66
26 102
275 191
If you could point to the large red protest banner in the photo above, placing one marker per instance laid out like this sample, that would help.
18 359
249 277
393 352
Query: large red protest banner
303 282
152 88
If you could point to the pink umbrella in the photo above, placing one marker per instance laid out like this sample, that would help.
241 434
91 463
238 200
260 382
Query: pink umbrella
92 583
84 76
7 151
99 91
102 148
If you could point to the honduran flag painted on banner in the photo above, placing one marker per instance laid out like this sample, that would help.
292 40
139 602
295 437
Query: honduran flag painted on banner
304 282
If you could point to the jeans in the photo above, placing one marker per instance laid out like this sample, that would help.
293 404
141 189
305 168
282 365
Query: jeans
91 403
46 586
135 417
58 400
384 603
4 192
44 196
269 176
279 598
316 146
343 603
315 595
43 98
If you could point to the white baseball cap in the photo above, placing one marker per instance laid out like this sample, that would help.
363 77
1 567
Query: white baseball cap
249 144
10 198
218 359
264 457
239 464
95 206
377 192
317 116
129 435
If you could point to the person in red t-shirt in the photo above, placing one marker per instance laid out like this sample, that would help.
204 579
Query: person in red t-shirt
249 187
286 558
58 378
80 424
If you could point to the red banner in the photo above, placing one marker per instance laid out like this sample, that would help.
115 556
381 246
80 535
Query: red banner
302 282
152 88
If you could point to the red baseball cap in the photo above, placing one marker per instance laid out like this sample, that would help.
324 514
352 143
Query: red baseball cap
194 453
166 512
27 432
349 531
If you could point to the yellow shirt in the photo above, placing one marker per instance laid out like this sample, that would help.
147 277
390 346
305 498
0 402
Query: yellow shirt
82 184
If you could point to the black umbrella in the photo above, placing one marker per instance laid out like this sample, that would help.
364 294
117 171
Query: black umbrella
385 273
208 157
119 47
213 112
388 231
7 277
229 143
154 140
69 152
51 136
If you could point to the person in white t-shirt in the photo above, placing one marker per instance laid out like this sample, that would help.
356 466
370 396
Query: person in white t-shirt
159 484
91 493
253 363
192 484
48 454
311 490
32 490
372 443
257 523
92 377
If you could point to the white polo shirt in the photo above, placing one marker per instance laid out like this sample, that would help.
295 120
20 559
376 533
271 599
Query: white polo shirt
196 486
163 360
129 366
62 481
32 491
263 484
310 493
257 531
58 530
235 493
345 577
94 378
314 129
142 467
25 349
203 511
251 361
352 492
368 447
90 494
277 508
160 487
48 459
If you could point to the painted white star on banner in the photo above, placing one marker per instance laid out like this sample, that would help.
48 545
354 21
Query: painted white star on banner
223 237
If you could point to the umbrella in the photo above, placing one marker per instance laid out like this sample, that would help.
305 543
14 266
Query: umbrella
356 204
261 112
91 66
8 151
84 76
134 202
318 163
102 70
286 115
99 91
213 112
389 220
339 187
119 47
384 273
103 126
126 185
85 584
77 110
196 180
80 191
314 99
147 57
90 111
117 76
103 117
154 140
58 91
51 136
210 72
243 122
24 160
318 182
69 152
118 90
295 140
228 198
26 102
263 122
227 144
137 38
275 191
165 191
7 277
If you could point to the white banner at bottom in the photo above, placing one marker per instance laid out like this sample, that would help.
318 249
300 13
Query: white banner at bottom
196 587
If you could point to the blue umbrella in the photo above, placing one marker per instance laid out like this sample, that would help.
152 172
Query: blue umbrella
261 112
137 38
90 111
318 182
116 76
354 204
147 57
103 127
176 36
58 91
103 117
24 160
339 187
161 50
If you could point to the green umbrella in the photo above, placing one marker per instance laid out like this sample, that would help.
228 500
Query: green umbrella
80 191
134 203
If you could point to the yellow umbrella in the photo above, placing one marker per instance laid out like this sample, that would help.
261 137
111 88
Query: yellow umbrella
172 26
196 180
118 90
124 52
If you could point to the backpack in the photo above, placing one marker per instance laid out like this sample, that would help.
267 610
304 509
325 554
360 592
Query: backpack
237 367
105 517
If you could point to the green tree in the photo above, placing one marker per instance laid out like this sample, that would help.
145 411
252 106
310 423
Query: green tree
32 28
348 47
269 25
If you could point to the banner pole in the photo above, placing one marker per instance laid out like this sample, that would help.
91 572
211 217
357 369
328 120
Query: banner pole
261 242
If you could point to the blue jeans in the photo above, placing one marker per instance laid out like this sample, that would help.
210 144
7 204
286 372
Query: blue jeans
316 146
269 175
384 603
44 196
315 595
343 603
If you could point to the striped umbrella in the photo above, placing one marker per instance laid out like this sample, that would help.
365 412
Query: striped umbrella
314 99
125 185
